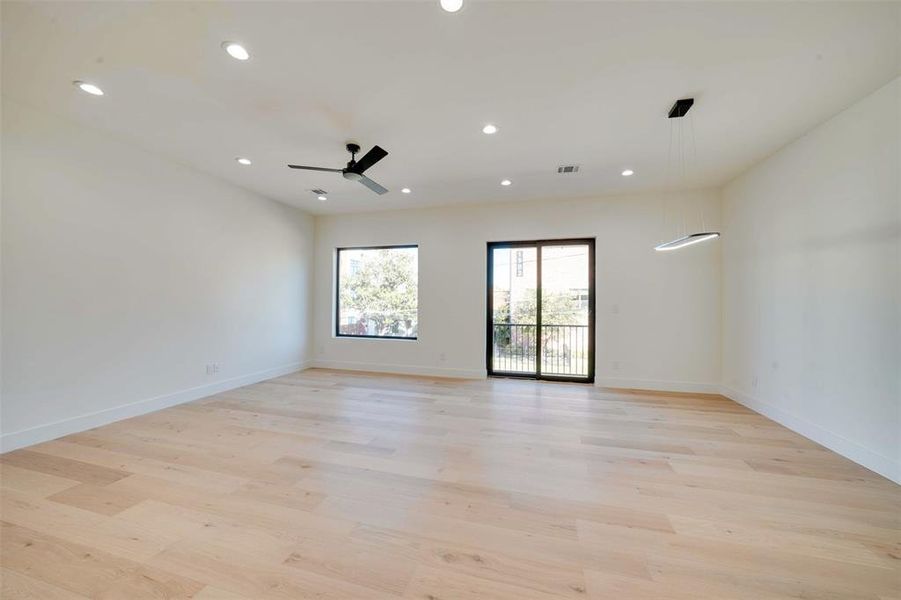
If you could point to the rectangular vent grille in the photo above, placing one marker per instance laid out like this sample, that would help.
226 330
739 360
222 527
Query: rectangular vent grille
567 169
319 192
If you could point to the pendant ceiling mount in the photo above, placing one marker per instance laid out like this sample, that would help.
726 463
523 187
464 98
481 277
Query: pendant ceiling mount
679 109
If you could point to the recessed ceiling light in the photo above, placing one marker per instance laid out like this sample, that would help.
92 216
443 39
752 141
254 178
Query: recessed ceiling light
451 6
322 198
90 88
243 161
489 129
236 50
506 182
628 173
406 190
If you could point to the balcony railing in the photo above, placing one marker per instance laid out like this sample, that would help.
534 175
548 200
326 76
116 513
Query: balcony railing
564 349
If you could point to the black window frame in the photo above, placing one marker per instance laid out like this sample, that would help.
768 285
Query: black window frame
338 251
489 313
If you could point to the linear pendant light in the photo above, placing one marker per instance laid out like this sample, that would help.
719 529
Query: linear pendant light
688 240
678 111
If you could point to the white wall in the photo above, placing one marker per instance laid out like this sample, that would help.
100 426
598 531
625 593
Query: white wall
666 333
124 275
812 284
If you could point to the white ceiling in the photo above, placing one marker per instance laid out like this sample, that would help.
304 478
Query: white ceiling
567 82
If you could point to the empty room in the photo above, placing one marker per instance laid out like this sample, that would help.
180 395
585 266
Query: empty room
450 300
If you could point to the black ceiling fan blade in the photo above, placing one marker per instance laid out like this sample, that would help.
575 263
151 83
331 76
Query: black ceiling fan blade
316 168
370 158
378 189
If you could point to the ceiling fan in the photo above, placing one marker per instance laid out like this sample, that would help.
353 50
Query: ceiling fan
355 168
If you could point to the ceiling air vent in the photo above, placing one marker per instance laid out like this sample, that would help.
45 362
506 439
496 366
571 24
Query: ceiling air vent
567 169
319 192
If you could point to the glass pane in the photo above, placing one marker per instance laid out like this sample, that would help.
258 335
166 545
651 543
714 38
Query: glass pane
378 292
515 315
564 310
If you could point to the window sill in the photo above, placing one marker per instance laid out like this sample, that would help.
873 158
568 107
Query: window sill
375 337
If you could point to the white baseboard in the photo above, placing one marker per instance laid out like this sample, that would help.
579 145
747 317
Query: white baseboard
884 465
641 384
658 386
51 431
400 369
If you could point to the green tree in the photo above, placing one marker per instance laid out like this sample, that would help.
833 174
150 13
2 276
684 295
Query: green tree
557 308
383 291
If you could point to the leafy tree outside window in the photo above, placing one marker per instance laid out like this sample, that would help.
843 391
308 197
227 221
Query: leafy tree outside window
378 292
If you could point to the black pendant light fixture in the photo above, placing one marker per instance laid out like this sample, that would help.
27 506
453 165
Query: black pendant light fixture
678 111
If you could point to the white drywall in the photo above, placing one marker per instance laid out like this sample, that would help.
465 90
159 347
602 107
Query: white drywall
658 314
812 284
125 274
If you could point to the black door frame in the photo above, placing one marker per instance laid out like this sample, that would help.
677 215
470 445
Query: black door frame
489 324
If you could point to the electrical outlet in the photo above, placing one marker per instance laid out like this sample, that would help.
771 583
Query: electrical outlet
754 382
616 365
212 368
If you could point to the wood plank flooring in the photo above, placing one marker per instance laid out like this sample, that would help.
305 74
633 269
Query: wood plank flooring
336 485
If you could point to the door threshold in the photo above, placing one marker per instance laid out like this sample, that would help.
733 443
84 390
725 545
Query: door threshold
547 379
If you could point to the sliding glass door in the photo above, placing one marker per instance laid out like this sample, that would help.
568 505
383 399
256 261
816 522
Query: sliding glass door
513 309
541 309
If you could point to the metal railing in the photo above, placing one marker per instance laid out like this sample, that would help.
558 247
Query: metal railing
564 349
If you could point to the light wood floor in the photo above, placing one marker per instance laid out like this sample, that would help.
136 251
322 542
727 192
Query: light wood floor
325 484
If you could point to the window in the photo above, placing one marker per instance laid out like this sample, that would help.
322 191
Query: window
377 293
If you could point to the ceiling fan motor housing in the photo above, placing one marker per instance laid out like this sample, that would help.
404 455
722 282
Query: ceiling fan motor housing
353 148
